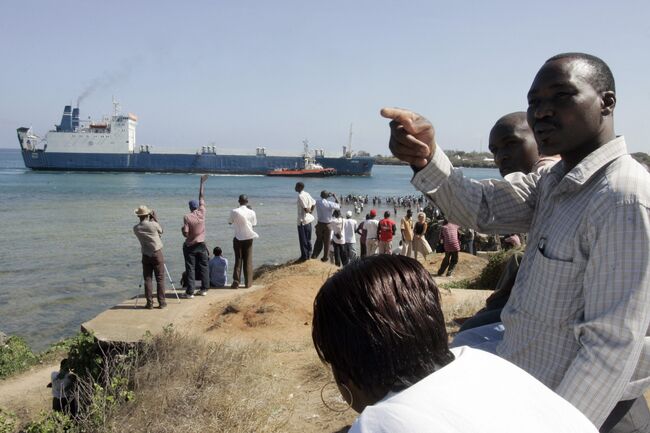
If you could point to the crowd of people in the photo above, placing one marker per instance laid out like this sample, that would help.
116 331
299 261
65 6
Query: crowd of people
560 346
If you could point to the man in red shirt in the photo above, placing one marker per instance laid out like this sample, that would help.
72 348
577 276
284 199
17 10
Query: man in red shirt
385 233
449 237
194 250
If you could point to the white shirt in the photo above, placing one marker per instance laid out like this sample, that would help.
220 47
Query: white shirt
336 225
349 228
305 201
477 392
243 219
371 227
325 209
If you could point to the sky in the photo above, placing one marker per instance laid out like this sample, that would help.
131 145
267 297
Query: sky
245 74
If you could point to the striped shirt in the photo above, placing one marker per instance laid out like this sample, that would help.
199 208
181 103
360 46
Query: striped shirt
579 312
449 237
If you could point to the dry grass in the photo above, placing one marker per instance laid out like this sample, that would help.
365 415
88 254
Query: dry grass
188 385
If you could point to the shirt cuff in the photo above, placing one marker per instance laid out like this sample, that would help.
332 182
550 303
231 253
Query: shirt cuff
434 174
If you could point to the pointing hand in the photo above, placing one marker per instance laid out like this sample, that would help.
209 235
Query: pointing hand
412 137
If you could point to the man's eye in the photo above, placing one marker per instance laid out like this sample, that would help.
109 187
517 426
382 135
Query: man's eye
532 102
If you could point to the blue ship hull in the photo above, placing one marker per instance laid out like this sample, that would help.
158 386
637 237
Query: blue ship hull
185 163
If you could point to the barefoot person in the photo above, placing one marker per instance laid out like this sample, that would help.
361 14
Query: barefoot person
579 313
148 232
379 325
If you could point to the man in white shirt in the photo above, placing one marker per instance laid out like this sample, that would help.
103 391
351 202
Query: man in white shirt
349 230
325 208
372 227
243 219
305 205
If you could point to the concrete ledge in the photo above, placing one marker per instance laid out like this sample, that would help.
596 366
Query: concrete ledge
128 322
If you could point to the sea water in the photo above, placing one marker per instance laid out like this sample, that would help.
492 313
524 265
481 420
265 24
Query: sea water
68 250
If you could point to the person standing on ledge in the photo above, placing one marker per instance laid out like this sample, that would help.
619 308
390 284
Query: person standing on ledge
406 227
325 208
579 313
449 238
194 250
148 232
306 205
243 219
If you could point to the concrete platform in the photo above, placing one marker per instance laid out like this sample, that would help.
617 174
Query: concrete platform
128 322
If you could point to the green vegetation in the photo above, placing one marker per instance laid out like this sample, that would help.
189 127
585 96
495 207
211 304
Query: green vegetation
50 422
15 356
458 157
7 421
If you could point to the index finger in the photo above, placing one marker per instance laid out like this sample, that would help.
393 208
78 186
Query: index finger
405 117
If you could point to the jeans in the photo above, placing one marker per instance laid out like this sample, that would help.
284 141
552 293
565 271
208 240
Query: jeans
304 239
196 259
154 265
323 233
339 255
243 259
350 253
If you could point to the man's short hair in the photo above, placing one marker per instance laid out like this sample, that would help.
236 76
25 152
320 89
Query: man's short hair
217 251
243 199
386 214
324 193
300 186
601 79
378 322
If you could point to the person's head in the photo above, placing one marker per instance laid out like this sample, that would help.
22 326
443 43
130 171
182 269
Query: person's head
243 200
368 217
571 106
445 222
513 144
217 251
409 213
300 186
378 323
373 213
386 214
422 216
143 212
193 205
336 213
348 214
324 194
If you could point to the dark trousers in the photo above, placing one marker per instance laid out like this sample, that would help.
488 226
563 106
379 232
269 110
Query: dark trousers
323 233
154 265
349 252
629 416
66 406
451 258
304 239
339 255
243 259
363 248
196 264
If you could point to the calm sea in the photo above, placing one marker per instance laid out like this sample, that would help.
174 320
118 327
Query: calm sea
68 250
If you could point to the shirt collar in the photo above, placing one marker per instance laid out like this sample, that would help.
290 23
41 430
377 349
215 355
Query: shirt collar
591 164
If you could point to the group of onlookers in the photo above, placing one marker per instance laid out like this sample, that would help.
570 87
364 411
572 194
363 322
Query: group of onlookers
198 265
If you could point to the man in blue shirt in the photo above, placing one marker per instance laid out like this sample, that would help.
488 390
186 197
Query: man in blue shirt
218 269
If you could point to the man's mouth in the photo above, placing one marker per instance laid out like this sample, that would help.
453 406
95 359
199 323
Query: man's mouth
543 130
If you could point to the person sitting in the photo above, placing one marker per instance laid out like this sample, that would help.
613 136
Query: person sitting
218 269
379 325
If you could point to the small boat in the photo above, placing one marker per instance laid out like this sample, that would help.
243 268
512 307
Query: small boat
310 167
310 171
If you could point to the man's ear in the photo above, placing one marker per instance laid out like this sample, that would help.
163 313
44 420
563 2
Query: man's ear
608 102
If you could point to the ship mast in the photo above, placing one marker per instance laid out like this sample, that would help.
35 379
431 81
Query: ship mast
116 107
350 141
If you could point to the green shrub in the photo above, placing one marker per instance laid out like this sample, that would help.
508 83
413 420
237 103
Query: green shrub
489 276
7 422
51 422
15 356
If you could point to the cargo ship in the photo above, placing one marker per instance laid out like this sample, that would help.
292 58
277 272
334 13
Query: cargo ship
110 145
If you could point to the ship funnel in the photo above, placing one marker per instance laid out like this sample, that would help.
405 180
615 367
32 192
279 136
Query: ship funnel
66 120
75 118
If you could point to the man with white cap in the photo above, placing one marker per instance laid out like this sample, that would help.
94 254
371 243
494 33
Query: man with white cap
349 230
148 232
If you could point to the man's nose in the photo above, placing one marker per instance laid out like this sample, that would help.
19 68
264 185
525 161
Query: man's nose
543 109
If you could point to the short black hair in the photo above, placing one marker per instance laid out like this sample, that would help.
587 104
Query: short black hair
336 213
601 79
217 251
386 214
243 199
378 323
300 185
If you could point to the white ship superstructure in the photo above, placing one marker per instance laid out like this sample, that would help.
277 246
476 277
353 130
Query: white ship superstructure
113 134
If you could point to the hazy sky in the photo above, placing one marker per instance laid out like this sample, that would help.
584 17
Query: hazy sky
244 74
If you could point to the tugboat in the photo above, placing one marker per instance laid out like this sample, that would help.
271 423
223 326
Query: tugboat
310 167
